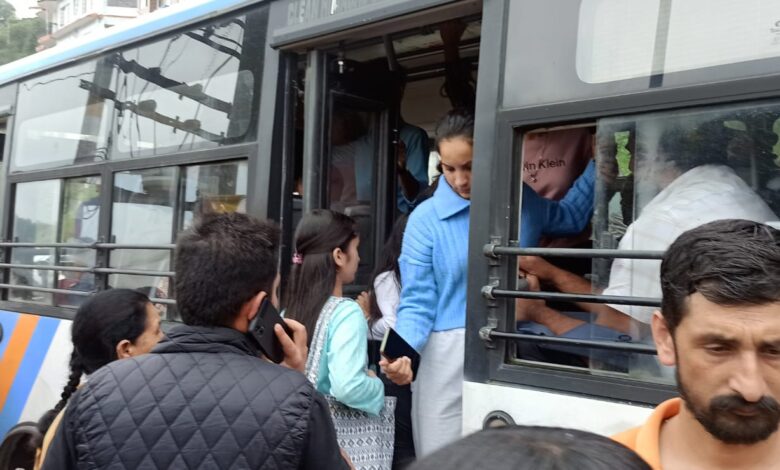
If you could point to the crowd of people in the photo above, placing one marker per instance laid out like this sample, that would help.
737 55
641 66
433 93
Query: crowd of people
202 396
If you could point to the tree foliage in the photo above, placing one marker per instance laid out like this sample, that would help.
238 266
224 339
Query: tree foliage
18 37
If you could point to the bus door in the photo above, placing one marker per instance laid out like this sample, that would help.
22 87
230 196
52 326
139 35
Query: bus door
356 172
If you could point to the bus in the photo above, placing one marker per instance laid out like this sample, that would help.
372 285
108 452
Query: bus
115 144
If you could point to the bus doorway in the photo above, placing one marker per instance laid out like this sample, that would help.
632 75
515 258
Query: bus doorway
370 107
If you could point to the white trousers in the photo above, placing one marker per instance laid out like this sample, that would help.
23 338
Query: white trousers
437 392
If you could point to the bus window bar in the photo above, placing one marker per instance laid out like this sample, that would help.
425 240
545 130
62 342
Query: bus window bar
156 300
93 270
98 246
48 290
494 251
489 333
491 293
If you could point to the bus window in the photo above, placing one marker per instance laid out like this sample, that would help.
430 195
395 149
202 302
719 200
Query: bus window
353 155
600 48
143 213
213 188
53 211
73 128
192 90
657 175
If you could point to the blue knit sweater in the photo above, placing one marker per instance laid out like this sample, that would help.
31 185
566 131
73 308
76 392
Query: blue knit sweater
434 253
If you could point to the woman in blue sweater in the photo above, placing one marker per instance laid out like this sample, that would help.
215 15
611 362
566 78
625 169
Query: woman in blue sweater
434 258
326 258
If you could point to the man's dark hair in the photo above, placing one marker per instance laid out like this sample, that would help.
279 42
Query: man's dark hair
221 263
533 448
730 262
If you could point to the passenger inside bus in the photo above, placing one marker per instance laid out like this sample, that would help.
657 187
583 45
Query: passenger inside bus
683 171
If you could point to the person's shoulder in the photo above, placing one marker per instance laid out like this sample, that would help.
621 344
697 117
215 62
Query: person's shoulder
423 215
347 308
627 437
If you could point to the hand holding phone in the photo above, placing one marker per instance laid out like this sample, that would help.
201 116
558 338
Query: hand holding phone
261 330
394 347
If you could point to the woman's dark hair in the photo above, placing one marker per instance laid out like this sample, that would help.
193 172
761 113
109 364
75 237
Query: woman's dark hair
533 448
19 446
101 322
388 262
313 274
457 123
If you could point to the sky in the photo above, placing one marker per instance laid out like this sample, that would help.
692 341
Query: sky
23 9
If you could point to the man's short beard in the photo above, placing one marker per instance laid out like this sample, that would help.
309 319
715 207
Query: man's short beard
719 419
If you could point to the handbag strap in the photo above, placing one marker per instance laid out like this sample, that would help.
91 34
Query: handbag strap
318 340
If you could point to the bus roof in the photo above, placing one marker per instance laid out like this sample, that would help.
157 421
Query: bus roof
159 22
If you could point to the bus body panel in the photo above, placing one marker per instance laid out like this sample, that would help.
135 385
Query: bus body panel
34 355
542 408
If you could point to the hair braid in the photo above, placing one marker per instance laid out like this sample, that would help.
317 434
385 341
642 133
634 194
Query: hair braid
76 371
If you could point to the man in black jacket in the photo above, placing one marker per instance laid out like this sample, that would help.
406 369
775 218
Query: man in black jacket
204 398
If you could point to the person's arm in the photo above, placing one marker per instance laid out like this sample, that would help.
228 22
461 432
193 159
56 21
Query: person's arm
61 454
350 383
571 215
387 298
321 449
413 170
570 283
419 293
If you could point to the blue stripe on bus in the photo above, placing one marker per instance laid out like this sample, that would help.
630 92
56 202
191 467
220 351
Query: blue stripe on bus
28 372
8 321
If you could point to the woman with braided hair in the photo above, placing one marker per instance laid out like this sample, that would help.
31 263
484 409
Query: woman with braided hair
113 324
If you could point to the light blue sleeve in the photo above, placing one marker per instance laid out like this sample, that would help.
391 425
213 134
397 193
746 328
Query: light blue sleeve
348 361
417 152
569 216
419 293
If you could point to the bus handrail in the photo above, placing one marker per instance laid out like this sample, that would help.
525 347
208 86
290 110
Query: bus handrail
489 333
88 269
93 246
494 251
48 290
493 292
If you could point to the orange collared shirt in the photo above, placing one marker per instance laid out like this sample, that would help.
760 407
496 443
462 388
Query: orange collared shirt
645 439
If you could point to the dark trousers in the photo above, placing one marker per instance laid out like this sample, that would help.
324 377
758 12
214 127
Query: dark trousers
403 453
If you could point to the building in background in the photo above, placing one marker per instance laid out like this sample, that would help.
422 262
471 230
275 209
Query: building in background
68 20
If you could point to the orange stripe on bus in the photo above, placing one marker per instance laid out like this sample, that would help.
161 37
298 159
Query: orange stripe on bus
14 353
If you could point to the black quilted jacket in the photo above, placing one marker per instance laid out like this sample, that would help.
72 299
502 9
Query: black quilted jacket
201 400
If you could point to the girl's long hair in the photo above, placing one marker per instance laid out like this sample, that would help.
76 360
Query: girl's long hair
101 322
388 262
313 273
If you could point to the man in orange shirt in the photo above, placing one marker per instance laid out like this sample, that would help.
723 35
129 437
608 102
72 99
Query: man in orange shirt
720 326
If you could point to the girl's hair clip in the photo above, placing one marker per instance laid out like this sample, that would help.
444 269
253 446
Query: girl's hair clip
297 258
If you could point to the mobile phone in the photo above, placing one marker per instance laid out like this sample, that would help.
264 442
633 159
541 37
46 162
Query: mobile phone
261 330
394 346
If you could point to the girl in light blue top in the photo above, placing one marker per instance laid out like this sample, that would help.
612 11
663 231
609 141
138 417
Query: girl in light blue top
326 258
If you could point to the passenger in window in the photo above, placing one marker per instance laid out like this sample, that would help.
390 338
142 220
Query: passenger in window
533 448
433 264
696 187
206 380
412 150
380 306
719 324
110 325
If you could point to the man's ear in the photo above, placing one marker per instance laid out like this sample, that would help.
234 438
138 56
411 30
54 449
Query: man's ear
123 349
249 311
339 257
664 342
